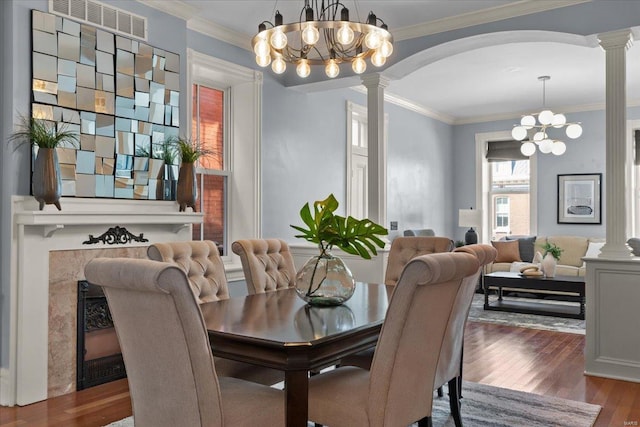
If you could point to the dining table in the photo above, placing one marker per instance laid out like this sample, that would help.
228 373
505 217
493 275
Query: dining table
279 330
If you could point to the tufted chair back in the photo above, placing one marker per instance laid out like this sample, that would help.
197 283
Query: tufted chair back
404 249
267 264
423 232
201 261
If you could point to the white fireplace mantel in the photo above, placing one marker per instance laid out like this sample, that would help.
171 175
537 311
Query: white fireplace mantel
34 234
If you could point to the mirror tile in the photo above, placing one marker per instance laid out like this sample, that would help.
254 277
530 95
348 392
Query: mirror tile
45 98
156 93
105 41
99 168
172 81
143 145
140 192
86 76
45 42
44 67
71 27
108 166
86 99
71 116
67 83
141 177
172 62
108 83
45 86
142 99
66 67
88 56
85 162
67 99
142 85
125 85
88 142
141 164
175 117
153 188
105 102
156 113
105 125
67 171
40 111
66 155
68 47
124 143
88 127
123 43
144 127
68 187
86 185
125 62
105 147
156 168
43 21
142 113
143 67
104 62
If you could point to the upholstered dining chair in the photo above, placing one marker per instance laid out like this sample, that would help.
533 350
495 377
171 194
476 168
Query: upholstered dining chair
201 262
398 389
267 264
403 250
171 371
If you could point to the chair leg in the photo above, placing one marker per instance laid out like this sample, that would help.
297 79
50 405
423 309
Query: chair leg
425 422
454 401
461 364
440 392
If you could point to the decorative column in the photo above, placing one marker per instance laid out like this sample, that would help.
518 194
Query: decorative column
615 45
377 148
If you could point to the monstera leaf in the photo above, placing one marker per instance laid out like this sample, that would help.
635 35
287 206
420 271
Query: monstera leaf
353 236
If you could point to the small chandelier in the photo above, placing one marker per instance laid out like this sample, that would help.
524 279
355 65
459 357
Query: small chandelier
545 119
300 42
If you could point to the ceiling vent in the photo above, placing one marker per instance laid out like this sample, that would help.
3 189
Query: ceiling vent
101 15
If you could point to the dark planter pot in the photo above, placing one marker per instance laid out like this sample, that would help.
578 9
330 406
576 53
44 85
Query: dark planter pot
187 190
46 182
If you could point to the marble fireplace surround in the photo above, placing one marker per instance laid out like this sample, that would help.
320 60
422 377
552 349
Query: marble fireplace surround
47 258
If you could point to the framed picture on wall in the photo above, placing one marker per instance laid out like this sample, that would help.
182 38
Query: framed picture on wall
579 199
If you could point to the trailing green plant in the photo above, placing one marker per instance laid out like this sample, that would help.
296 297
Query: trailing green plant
353 236
43 133
189 151
551 248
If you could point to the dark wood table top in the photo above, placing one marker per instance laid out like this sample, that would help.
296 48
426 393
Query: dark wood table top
279 330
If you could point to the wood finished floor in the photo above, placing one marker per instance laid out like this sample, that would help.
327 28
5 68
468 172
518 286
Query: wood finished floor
541 362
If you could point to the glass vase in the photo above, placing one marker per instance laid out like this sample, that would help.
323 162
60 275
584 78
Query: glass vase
325 280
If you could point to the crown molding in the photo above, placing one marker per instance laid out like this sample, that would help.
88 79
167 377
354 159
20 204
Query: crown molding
498 13
517 115
219 32
411 106
176 8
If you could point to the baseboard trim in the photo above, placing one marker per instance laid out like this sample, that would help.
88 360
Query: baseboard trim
7 397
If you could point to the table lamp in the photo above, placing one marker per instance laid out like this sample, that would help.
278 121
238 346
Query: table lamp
470 218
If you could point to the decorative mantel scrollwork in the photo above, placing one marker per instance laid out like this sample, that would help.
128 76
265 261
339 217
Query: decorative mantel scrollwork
115 236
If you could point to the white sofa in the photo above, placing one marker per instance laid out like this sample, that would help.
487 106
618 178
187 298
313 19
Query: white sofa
570 262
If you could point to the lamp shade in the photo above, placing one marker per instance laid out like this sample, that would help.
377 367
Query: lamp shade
469 218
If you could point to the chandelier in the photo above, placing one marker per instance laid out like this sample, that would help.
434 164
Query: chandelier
323 35
546 120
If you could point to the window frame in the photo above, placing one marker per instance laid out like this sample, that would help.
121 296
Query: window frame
243 87
483 184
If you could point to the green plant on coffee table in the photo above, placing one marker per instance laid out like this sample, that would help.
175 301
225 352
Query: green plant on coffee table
43 133
551 248
353 236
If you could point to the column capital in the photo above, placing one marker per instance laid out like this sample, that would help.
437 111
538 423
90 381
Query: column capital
616 39
374 81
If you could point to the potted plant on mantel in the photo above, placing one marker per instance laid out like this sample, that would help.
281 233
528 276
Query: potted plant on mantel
325 279
46 136
187 189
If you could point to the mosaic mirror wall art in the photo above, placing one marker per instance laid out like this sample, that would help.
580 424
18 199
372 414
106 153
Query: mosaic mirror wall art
120 95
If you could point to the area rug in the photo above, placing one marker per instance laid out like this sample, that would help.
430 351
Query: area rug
487 406
549 323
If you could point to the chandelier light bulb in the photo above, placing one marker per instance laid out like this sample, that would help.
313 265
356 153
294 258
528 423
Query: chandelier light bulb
545 117
310 34
558 148
559 120
519 133
358 65
332 69
303 69
528 122
263 61
378 59
261 48
278 65
278 39
386 48
539 136
373 40
345 34
545 146
574 131
528 148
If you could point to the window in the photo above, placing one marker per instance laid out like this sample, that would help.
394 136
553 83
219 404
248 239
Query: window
208 128
224 114
506 187
357 161
502 214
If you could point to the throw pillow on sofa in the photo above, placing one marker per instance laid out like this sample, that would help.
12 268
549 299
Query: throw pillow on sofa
508 251
526 246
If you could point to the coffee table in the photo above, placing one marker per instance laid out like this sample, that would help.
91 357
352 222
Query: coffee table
570 288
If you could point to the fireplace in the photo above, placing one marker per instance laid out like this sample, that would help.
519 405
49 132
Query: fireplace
43 317
98 352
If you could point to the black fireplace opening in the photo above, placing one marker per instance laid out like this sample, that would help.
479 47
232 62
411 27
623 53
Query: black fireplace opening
99 358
